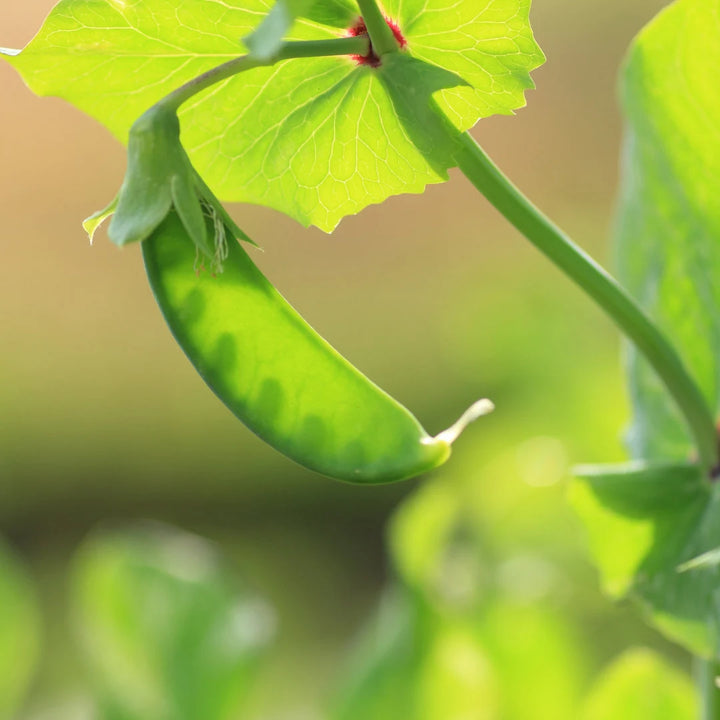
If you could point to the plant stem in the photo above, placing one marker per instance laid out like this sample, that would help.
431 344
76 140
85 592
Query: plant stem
382 37
706 672
601 286
288 51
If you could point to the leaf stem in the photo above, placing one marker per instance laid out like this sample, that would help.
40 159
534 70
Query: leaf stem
600 286
382 37
706 673
288 51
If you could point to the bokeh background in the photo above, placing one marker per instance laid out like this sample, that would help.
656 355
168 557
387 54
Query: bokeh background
102 419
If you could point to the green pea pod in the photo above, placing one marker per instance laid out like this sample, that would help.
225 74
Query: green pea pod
279 376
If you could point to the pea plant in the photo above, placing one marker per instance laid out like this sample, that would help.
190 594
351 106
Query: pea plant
319 108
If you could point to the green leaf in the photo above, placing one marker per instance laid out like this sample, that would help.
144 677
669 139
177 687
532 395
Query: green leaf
669 223
167 633
457 679
418 665
424 535
488 43
645 523
654 526
514 649
19 633
381 679
317 139
484 663
534 653
640 684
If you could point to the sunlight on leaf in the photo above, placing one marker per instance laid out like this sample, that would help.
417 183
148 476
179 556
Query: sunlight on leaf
654 525
489 43
317 139
645 521
668 232
640 684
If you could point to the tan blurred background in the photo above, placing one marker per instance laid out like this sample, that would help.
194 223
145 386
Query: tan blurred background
434 297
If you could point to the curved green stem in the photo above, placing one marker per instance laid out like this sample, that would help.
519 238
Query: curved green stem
382 37
288 51
601 286
707 672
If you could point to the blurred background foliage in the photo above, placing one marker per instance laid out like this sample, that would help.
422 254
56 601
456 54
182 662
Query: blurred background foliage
467 595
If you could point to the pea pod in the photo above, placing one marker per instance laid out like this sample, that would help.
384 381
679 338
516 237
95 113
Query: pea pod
276 374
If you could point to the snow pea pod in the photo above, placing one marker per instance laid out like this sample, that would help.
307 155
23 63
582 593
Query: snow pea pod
278 376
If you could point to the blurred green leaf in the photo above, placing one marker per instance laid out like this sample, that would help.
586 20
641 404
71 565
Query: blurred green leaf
422 534
421 663
19 632
481 615
639 684
463 536
534 653
381 680
645 522
167 633
668 232
457 680
416 664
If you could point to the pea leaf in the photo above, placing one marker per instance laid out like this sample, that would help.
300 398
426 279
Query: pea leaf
648 524
640 684
19 631
167 631
668 232
488 43
317 139
654 526
420 663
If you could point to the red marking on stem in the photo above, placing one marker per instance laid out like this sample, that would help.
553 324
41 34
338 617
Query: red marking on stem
360 29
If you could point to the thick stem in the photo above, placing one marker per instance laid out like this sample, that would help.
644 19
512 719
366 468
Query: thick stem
706 674
382 37
602 287
288 51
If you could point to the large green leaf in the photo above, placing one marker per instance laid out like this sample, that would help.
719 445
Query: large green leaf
168 634
669 223
19 631
318 139
647 524
640 684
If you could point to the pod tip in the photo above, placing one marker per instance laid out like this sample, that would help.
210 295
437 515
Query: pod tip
476 410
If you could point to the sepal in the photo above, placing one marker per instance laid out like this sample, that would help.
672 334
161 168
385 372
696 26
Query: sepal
160 178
